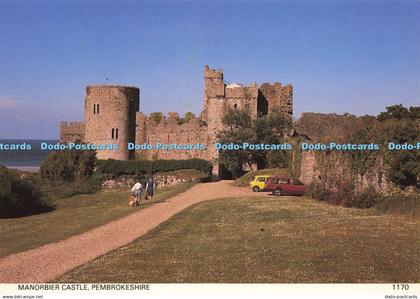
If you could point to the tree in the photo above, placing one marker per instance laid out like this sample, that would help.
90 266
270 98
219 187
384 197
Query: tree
399 112
241 128
68 166
20 196
272 129
404 165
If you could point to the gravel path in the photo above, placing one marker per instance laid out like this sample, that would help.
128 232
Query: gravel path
50 261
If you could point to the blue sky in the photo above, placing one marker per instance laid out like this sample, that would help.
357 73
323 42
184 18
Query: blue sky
340 56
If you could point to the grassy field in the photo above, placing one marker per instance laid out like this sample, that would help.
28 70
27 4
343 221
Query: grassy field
282 240
248 177
72 216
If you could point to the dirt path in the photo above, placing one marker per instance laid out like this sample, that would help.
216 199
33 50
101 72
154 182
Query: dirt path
50 261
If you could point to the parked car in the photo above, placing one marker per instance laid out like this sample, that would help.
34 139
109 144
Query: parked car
285 186
258 183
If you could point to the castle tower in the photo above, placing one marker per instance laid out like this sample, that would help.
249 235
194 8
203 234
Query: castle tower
110 118
259 100
214 107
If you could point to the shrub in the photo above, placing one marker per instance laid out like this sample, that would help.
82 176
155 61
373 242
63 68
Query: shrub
118 168
317 190
344 194
187 117
144 168
68 166
70 172
20 196
157 117
364 199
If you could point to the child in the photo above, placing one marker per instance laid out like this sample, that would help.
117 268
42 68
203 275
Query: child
137 189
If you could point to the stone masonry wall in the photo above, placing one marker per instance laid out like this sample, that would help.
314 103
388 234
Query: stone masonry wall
119 109
278 96
70 132
110 117
218 96
334 169
158 128
337 168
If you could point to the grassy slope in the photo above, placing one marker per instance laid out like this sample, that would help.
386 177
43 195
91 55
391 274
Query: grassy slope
248 177
72 216
271 240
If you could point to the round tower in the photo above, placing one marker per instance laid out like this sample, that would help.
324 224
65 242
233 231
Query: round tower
110 118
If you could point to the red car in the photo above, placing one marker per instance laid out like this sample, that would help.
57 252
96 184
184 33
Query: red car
285 186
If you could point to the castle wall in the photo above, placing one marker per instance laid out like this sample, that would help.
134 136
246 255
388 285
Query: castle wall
278 96
71 132
108 108
308 167
243 98
158 128
110 117
258 100
334 170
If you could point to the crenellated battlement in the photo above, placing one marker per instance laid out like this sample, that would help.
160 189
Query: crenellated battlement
72 131
213 74
112 115
159 117
73 124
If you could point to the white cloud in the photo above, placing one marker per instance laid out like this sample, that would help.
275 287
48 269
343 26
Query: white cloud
7 101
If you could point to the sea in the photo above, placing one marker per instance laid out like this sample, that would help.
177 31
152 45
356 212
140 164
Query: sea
27 160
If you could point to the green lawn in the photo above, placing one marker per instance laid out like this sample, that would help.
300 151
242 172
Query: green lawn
281 240
72 216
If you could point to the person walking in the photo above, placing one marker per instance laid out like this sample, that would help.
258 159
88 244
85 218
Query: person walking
137 189
150 188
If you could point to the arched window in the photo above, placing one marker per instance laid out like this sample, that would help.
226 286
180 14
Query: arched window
235 106
112 134
116 133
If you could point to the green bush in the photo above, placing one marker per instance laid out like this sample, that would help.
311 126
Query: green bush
187 117
364 199
345 195
318 191
68 166
20 196
70 172
144 168
156 116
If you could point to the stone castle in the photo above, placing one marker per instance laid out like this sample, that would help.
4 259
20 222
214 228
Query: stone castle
112 116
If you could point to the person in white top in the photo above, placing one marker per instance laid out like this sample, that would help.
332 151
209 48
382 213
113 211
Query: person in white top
137 189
